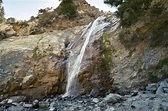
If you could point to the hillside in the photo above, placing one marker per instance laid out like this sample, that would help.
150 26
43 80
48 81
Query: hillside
48 20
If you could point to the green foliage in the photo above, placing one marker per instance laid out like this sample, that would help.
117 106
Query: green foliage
159 35
1 12
129 10
140 70
114 2
157 9
68 9
138 18
106 50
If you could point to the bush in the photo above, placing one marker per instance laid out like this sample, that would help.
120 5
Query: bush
68 9
129 10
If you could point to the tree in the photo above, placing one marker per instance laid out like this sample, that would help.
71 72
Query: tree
68 8
1 12
113 2
129 10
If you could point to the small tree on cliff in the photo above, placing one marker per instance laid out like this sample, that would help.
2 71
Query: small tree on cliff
129 10
68 9
1 12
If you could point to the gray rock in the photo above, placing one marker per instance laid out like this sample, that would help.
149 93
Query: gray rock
160 90
52 109
162 85
15 108
165 89
43 105
110 109
97 109
164 106
17 99
95 100
134 93
28 105
94 92
151 87
112 98
4 102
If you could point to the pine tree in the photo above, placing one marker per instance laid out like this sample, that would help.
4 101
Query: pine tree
1 12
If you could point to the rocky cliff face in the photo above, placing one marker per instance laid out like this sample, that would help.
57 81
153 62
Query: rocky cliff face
34 65
137 67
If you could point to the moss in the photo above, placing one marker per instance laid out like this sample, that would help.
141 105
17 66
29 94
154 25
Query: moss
106 50
162 63
140 70
152 77
160 72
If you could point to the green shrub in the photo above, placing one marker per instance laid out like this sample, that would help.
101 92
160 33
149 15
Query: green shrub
68 9
129 10
106 50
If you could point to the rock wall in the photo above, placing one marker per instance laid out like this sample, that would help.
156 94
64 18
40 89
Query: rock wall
34 66
135 67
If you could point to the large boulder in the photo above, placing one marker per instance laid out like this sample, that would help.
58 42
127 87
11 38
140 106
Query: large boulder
6 30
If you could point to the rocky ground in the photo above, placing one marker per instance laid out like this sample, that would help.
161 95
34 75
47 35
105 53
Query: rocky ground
154 98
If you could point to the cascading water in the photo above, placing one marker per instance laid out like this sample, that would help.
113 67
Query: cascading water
73 70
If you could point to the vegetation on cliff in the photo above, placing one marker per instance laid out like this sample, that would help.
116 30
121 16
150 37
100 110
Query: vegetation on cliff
68 9
138 19
1 12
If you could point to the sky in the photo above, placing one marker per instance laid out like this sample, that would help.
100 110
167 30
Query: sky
24 9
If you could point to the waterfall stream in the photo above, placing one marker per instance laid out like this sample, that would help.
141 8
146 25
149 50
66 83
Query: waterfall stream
73 70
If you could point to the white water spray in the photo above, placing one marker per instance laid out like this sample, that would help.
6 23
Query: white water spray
73 71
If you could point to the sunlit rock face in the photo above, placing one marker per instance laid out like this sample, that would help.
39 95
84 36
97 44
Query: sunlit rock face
34 66
6 30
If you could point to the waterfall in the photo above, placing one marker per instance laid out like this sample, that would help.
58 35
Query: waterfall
73 70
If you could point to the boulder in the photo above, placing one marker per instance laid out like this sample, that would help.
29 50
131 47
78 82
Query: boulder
6 30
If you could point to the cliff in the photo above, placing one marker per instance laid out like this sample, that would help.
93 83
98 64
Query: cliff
121 59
